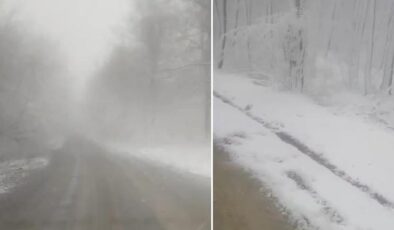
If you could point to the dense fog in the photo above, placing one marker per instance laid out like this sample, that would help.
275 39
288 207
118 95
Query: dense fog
105 114
156 79
127 73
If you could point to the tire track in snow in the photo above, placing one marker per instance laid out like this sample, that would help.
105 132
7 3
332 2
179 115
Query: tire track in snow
333 214
316 157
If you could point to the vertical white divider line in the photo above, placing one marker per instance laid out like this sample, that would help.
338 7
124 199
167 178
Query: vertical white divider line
212 217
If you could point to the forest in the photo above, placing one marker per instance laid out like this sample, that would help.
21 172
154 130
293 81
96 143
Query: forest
34 98
152 86
303 101
157 77
105 114
318 47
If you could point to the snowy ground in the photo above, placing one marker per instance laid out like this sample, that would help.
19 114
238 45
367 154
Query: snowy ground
13 171
194 158
328 169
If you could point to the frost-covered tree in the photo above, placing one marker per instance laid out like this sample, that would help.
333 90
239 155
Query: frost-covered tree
316 46
224 31
294 49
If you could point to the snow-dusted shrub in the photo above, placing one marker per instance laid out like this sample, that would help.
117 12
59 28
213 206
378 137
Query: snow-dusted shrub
330 77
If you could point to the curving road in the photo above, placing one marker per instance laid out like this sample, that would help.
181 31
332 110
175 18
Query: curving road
86 188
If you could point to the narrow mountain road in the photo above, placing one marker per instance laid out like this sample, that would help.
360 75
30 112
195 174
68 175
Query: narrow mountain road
86 188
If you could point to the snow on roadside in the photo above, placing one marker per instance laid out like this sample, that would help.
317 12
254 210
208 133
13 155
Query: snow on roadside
188 158
379 108
272 161
192 159
310 193
357 146
13 171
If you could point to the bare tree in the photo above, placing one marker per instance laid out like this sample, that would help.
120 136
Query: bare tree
224 35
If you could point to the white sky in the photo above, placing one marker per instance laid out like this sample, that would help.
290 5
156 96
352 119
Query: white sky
84 29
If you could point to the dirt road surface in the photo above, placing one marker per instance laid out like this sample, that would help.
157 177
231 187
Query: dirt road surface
86 188
239 199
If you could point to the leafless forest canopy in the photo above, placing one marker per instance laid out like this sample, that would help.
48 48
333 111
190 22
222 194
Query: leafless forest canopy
158 78
304 45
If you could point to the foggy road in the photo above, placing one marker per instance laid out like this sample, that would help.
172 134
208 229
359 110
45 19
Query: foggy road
84 187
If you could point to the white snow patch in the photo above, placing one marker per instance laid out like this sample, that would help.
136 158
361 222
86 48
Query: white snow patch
13 171
194 159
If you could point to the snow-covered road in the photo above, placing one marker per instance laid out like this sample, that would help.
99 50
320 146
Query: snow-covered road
327 170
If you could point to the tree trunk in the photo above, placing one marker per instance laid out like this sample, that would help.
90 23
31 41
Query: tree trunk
248 15
223 46
368 72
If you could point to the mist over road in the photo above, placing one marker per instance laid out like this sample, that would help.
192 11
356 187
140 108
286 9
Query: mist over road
85 187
